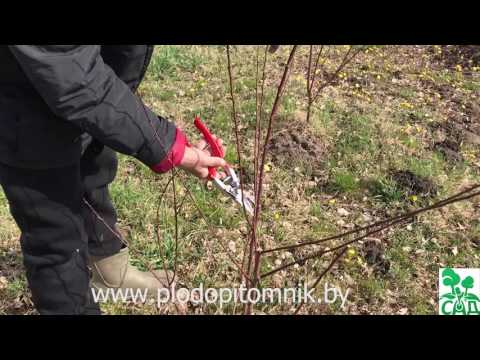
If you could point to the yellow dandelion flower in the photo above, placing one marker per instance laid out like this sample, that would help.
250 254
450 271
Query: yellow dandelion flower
414 198
276 216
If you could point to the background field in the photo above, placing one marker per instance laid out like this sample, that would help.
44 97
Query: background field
399 129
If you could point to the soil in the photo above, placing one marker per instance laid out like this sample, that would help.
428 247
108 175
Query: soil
458 130
413 184
465 55
294 146
472 120
450 150
476 242
373 253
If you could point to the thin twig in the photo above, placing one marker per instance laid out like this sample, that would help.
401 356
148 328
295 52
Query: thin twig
324 272
311 97
345 61
315 68
237 137
213 233
175 256
157 231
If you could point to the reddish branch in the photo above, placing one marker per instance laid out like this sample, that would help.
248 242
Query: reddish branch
259 117
237 137
254 257
386 224
410 214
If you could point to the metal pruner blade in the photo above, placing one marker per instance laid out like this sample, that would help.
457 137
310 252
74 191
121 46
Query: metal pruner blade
231 186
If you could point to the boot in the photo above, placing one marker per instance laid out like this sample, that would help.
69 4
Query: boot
116 272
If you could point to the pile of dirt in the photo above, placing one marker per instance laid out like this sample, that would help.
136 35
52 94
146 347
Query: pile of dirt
448 140
471 123
294 146
462 125
446 91
457 130
414 184
476 242
450 150
452 55
373 252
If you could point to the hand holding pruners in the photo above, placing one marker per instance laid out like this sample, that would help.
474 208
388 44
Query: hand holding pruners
230 184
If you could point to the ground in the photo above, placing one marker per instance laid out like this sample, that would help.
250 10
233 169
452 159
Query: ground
399 129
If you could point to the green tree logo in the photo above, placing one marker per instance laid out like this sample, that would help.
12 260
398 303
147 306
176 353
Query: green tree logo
457 300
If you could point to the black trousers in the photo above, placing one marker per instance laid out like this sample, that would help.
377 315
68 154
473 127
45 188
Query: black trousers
58 230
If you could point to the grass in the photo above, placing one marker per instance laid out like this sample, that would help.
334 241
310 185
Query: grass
168 60
344 182
369 129
385 190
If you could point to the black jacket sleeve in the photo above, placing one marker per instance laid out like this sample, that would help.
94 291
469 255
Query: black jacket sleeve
79 87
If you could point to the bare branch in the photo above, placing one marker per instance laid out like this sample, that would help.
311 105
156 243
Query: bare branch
389 224
451 199
237 137
315 68
345 61
324 272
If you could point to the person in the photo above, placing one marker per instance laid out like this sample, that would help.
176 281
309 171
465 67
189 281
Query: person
65 110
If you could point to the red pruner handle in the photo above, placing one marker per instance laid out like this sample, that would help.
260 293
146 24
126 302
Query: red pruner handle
215 149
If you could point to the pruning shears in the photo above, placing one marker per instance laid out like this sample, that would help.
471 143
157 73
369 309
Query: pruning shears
230 185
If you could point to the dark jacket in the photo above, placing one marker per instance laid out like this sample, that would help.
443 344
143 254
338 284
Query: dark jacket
52 94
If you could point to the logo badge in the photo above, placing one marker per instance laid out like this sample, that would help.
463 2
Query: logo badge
459 291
